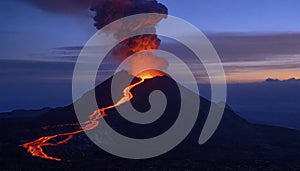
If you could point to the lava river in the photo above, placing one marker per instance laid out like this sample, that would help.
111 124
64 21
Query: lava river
36 147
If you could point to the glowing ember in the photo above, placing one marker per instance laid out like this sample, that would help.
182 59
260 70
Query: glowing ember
36 147
150 74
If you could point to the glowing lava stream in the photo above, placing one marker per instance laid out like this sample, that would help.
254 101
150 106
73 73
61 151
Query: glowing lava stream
35 147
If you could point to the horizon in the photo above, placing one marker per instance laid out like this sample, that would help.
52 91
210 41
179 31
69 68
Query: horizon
261 34
150 85
41 43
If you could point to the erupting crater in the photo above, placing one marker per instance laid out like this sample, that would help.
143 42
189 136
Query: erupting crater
36 147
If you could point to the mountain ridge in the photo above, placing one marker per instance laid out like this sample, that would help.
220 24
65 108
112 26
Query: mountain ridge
236 142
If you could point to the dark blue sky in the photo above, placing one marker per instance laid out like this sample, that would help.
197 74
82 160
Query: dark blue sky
239 15
39 47
23 22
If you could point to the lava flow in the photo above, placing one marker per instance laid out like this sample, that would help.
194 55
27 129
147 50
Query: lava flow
36 147
106 12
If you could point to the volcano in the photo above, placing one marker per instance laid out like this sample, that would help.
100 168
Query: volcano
236 144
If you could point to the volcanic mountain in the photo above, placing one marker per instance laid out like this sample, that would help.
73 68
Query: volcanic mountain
236 144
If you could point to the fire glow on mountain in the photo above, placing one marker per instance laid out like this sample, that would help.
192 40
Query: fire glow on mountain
36 147
141 64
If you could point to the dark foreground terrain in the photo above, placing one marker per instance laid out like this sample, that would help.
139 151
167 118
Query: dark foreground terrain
236 145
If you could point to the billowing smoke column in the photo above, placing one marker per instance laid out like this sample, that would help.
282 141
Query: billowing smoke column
108 11
111 10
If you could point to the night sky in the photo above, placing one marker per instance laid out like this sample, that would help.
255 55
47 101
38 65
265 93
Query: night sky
255 39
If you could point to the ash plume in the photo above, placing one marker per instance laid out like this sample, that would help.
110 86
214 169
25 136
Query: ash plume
107 11
112 10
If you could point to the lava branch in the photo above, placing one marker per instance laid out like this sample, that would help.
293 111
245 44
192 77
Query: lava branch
36 147
108 11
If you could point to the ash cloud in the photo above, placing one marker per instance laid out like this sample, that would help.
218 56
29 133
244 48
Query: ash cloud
108 11
112 10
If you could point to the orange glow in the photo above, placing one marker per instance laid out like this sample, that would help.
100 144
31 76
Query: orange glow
261 75
36 147
146 60
150 74
143 42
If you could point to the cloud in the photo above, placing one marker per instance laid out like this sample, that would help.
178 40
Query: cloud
246 64
248 57
61 5
252 47
32 71
236 47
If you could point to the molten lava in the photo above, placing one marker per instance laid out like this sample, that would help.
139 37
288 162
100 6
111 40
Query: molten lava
36 147
108 11
150 74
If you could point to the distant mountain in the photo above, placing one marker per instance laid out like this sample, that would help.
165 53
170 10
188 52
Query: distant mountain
277 80
25 113
236 145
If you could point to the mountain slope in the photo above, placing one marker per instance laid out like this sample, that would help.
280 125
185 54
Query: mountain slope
236 144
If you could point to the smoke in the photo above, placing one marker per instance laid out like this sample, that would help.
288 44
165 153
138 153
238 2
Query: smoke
110 10
145 61
107 11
